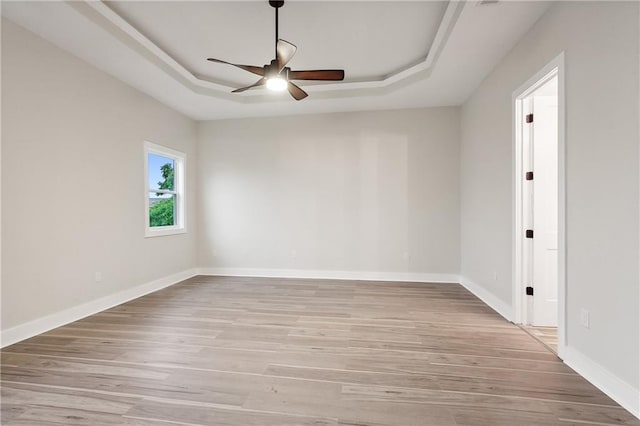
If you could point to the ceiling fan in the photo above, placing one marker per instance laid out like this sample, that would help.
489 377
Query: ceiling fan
276 75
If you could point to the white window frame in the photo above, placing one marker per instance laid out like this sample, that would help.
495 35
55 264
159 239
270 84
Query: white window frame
179 175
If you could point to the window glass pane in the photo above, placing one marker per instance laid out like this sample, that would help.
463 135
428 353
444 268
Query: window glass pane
162 209
160 172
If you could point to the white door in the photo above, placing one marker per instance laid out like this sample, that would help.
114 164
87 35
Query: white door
544 197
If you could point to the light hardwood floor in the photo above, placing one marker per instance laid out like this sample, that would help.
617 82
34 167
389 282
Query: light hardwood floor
257 351
546 335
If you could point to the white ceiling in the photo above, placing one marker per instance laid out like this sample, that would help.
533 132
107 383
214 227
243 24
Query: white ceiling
395 54
350 35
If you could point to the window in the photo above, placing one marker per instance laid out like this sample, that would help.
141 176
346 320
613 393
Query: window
164 190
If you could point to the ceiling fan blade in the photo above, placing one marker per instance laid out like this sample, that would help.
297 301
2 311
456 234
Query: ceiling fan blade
296 91
256 84
284 53
255 70
327 75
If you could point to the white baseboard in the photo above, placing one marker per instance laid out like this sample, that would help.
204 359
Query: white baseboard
334 275
494 302
49 322
617 389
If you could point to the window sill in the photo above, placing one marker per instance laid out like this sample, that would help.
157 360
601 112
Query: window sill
150 233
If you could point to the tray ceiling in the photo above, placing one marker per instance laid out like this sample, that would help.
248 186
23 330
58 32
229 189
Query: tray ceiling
395 54
391 39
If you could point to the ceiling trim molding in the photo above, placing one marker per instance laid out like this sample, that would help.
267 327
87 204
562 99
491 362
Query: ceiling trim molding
103 16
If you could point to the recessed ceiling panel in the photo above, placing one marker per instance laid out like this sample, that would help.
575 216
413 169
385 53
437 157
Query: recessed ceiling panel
369 40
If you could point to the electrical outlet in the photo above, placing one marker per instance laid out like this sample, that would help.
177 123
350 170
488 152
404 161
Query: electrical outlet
98 277
584 318
495 276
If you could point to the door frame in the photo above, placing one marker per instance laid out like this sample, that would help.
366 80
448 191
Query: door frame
553 68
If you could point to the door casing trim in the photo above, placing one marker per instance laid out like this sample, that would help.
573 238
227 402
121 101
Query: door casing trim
556 67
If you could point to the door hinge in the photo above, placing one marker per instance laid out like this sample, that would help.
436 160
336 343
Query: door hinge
529 291
528 118
529 176
529 233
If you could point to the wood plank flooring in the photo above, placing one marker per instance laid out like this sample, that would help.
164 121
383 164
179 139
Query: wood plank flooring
259 351
548 336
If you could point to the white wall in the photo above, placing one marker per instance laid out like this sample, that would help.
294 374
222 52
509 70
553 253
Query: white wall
600 41
368 192
72 182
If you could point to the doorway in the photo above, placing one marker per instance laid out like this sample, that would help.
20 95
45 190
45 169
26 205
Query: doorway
539 240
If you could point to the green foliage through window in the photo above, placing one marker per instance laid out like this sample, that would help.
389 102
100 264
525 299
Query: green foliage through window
161 213
162 210
167 175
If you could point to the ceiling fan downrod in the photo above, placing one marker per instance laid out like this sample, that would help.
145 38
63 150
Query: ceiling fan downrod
276 4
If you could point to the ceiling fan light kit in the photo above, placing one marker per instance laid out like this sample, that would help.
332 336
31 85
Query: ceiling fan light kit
277 84
276 75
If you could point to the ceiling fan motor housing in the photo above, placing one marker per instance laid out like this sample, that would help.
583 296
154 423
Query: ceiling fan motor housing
272 70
